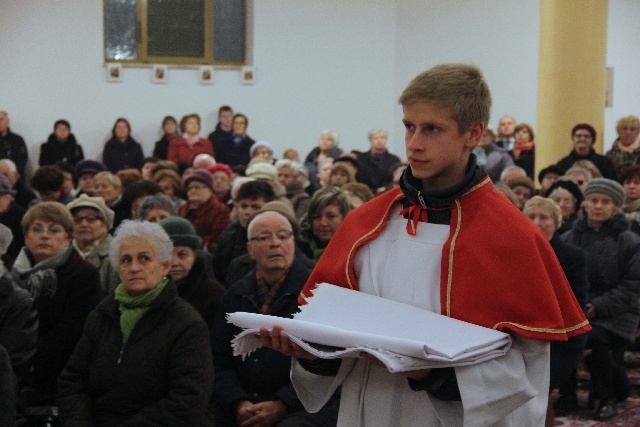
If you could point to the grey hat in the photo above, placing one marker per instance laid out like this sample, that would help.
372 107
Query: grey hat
608 187
96 203
181 232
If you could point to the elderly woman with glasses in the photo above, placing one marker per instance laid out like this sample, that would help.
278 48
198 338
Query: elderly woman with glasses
565 356
65 289
613 269
144 357
207 214
92 222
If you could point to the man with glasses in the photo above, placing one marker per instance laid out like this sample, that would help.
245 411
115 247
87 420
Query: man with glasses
584 136
92 220
258 389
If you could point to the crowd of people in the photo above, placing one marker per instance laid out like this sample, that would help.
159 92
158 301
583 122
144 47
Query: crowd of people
118 273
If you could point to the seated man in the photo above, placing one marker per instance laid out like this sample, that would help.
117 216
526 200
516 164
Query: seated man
233 240
12 145
258 389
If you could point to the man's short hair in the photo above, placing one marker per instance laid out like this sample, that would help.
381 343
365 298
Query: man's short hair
10 164
223 109
459 87
256 190
47 178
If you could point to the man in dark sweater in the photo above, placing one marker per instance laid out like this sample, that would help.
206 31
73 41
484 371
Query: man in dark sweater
584 136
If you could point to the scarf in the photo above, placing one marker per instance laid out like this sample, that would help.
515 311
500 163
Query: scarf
519 147
41 279
316 250
628 148
132 308
267 291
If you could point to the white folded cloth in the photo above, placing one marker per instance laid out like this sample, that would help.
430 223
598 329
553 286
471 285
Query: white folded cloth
338 322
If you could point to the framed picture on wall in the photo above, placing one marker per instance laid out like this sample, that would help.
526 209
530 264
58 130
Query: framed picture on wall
114 72
159 73
205 75
247 76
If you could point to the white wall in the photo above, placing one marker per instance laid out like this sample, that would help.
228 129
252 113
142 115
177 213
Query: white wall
331 64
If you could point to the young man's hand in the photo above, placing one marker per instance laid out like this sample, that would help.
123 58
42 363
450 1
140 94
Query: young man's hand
280 342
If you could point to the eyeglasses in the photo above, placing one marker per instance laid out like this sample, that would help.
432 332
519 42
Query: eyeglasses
89 218
196 186
38 229
266 238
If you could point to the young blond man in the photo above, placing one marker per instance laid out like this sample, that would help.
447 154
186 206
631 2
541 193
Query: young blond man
436 243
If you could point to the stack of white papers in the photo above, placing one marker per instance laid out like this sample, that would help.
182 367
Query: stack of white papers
338 322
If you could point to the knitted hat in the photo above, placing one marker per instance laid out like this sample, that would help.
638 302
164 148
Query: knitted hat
571 187
262 170
200 175
260 144
88 166
5 186
96 203
608 187
220 167
283 208
181 232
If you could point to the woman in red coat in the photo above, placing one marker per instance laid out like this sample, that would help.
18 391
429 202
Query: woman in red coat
184 148
206 213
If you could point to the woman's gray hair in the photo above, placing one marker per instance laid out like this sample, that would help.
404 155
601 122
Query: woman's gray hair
333 136
376 131
328 196
156 201
150 232
286 163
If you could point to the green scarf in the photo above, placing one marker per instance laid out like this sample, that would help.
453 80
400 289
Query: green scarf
316 250
133 308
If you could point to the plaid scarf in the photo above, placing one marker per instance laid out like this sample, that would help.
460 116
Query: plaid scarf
267 291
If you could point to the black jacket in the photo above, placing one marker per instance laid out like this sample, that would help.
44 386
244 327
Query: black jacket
12 147
264 375
62 318
202 292
226 151
18 326
613 269
603 163
163 376
54 151
375 171
232 244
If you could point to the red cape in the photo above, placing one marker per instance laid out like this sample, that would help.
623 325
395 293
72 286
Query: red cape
498 269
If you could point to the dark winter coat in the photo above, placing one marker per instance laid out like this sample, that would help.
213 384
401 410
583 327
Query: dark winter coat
163 376
603 163
122 155
613 269
18 326
232 244
232 153
526 161
375 171
202 292
62 318
565 355
265 374
54 151
24 195
209 219
12 147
